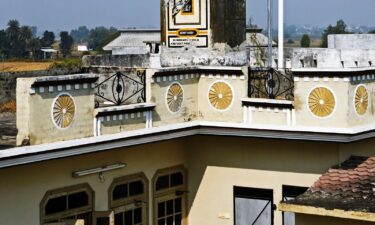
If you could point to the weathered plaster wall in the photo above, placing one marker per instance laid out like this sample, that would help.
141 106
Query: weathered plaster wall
8 80
330 58
130 61
234 113
42 129
219 55
337 119
124 122
189 109
354 119
34 114
351 41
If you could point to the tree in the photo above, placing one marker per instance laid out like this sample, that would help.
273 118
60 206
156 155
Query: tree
340 28
34 30
48 39
99 35
13 36
305 41
34 46
3 43
372 32
25 36
80 35
66 44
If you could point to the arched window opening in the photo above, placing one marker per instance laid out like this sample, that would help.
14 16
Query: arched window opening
69 203
128 199
170 188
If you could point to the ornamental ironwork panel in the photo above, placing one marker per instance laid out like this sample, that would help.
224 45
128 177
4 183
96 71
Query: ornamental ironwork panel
270 83
121 89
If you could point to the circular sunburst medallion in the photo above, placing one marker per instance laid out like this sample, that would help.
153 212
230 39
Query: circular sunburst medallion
321 102
220 95
361 100
63 111
175 97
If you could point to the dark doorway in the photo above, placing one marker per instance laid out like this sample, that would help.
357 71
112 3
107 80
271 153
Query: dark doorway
253 206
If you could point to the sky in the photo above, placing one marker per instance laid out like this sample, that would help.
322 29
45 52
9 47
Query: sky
60 15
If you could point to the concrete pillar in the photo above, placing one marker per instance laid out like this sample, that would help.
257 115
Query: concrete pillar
281 35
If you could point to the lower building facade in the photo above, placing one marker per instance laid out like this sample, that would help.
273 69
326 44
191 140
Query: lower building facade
195 180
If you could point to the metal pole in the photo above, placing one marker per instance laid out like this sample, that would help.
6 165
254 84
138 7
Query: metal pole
269 6
269 84
281 34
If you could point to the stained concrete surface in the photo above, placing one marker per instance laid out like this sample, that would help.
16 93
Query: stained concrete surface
8 131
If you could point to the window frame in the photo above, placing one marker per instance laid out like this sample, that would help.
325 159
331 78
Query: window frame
66 191
171 192
129 203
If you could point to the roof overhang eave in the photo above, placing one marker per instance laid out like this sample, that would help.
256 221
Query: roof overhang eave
318 211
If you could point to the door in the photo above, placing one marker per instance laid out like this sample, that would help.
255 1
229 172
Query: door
253 206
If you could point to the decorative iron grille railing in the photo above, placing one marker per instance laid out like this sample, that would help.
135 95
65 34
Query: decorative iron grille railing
121 89
270 83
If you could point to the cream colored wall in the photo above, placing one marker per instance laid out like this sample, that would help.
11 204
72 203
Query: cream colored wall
235 112
23 108
369 117
189 109
215 165
42 128
302 219
120 125
270 117
338 119
22 188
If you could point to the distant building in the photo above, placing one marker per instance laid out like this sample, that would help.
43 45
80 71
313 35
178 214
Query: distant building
82 48
133 41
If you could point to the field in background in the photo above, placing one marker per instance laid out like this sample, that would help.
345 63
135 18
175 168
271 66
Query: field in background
315 43
24 66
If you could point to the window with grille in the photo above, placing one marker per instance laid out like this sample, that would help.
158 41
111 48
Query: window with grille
128 199
170 196
75 202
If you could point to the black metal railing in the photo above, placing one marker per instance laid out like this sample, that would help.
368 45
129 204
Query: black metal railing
270 83
122 89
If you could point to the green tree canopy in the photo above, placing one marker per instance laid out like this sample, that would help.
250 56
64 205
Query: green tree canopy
48 39
340 28
66 44
305 41
99 35
80 35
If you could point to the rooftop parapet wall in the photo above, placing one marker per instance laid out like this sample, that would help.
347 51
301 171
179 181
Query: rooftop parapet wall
325 100
54 109
334 99
222 55
127 61
329 58
351 41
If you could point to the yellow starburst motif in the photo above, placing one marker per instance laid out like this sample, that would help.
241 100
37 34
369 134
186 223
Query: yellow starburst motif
321 102
63 111
361 100
175 97
220 95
